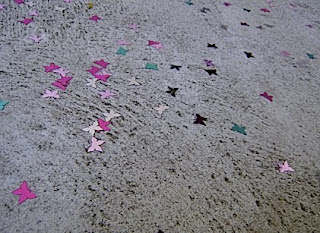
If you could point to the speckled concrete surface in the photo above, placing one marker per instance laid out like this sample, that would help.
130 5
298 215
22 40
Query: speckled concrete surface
162 172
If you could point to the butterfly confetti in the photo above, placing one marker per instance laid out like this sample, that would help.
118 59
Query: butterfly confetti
26 21
24 192
95 18
283 168
151 66
54 94
92 83
248 54
51 67
161 109
210 72
95 145
104 124
93 128
111 115
239 129
122 51
200 120
106 94
172 91
2 104
311 56
265 95
175 67
134 82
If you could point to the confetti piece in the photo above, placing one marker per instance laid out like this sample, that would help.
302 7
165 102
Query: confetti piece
151 66
161 109
24 192
54 94
2 7
122 51
95 18
265 95
200 120
104 124
91 83
33 13
188 2
210 72
208 62
35 38
90 5
133 26
239 129
111 115
172 91
19 1
95 145
175 67
212 46
264 10
93 128
2 104
249 54
226 4
94 70
134 82
51 67
284 168
106 94
61 71
26 21
123 42
155 44
102 63
311 56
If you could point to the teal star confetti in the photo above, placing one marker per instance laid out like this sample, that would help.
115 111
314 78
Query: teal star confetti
239 129
189 2
2 104
122 51
311 56
151 66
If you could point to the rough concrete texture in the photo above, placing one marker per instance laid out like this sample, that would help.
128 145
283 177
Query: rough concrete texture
162 172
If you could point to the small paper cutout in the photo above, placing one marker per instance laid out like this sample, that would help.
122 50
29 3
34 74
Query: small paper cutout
265 95
200 120
95 145
161 109
2 104
106 94
122 51
24 192
111 115
283 168
51 67
93 128
95 18
172 91
151 66
54 94
175 67
239 129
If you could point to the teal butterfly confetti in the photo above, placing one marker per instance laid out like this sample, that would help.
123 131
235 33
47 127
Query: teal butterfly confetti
239 129
189 2
2 104
311 56
152 66
122 51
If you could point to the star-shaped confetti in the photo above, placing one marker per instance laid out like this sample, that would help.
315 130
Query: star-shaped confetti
172 91
33 13
102 63
122 51
94 70
61 71
285 167
51 67
102 77
239 129
91 83
133 26
265 95
2 6
264 10
155 44
95 145
19 1
106 94
210 72
59 85
311 56
95 18
2 104
208 62
226 4
212 46
64 80
161 109
111 115
134 82
35 38
26 21
175 67
104 124
151 66
200 120
188 2
93 128
54 94
24 192
248 54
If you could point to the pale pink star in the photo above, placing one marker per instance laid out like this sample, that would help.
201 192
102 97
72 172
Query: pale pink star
134 82
35 38
111 115
95 145
133 26
26 21
2 6
106 94
93 128
61 71
54 94
33 13
161 109
92 83
285 167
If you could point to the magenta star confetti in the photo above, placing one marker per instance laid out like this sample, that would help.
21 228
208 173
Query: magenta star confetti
155 44
227 4
59 85
19 1
264 10
64 80
51 67
283 168
208 62
95 18
94 70
102 77
24 192
106 94
102 63
104 124
26 21
265 95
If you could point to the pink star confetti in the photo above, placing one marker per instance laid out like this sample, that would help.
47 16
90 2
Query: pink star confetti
285 167
208 62
265 95
51 67
26 21
102 63
93 128
35 38
61 71
94 70
24 192
106 94
265 10
95 145
33 13
123 42
53 94
19 1
133 26
64 80
104 124
67 1
102 77
59 85
95 18
2 6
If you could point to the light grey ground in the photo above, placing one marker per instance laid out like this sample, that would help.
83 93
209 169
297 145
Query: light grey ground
162 173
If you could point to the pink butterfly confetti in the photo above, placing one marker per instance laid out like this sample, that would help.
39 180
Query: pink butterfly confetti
104 124
95 145
93 128
35 38
33 13
51 67
91 83
94 70
285 167
95 18
54 94
64 80
19 1
102 77
59 85
133 26
2 6
285 53
227 4
123 42
155 44
26 21
265 95
106 94
102 63
61 71
265 10
24 192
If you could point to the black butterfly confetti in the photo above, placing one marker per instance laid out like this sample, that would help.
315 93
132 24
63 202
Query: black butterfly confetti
244 24
200 120
247 10
210 72
172 91
205 10
175 67
212 46
248 54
